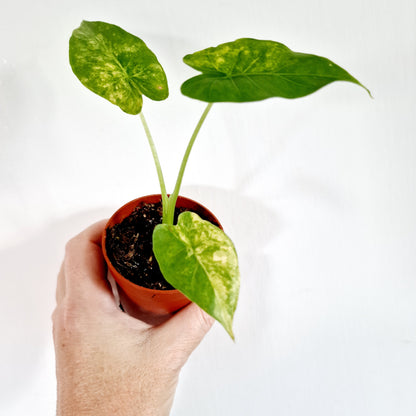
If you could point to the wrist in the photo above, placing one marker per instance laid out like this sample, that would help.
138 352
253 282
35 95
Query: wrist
124 397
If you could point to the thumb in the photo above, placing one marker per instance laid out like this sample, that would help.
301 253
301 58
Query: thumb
185 330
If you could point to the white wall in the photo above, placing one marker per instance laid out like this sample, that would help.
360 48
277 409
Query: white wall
318 195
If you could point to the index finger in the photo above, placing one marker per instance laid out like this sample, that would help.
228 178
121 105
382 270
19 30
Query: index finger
84 268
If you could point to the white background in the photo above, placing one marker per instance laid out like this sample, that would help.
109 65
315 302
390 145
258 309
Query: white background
318 195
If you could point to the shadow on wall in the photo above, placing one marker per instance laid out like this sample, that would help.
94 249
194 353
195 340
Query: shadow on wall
29 272
252 226
30 269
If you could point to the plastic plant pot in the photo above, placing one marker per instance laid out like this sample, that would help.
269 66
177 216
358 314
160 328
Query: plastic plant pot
139 300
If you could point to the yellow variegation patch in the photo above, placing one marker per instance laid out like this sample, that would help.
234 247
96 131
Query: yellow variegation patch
252 70
198 258
116 65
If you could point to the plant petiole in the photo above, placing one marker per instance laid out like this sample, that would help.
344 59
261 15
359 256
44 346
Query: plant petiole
174 196
157 164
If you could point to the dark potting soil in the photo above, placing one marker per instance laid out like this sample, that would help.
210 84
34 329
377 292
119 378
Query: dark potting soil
129 247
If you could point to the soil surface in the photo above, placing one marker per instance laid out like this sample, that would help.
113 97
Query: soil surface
129 247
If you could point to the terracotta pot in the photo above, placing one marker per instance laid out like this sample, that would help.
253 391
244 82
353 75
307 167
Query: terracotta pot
138 300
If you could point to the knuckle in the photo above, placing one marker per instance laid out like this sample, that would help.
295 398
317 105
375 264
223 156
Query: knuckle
70 245
54 315
65 319
205 321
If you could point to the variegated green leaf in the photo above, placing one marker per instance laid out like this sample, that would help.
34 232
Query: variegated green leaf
252 70
199 259
116 65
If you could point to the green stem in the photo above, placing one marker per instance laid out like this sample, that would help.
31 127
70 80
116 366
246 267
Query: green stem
174 196
157 164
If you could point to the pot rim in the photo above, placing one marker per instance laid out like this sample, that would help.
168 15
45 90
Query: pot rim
123 212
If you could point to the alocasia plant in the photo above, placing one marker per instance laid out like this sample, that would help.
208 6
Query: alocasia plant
194 256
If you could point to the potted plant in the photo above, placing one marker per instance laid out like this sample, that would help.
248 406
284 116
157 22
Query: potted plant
197 261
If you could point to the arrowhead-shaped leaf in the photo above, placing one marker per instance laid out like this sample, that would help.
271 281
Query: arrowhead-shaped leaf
116 65
198 259
252 70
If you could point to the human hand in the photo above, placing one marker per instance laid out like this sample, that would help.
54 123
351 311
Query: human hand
107 362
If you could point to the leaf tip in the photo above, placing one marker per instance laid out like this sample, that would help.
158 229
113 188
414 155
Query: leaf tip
230 332
369 92
228 326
